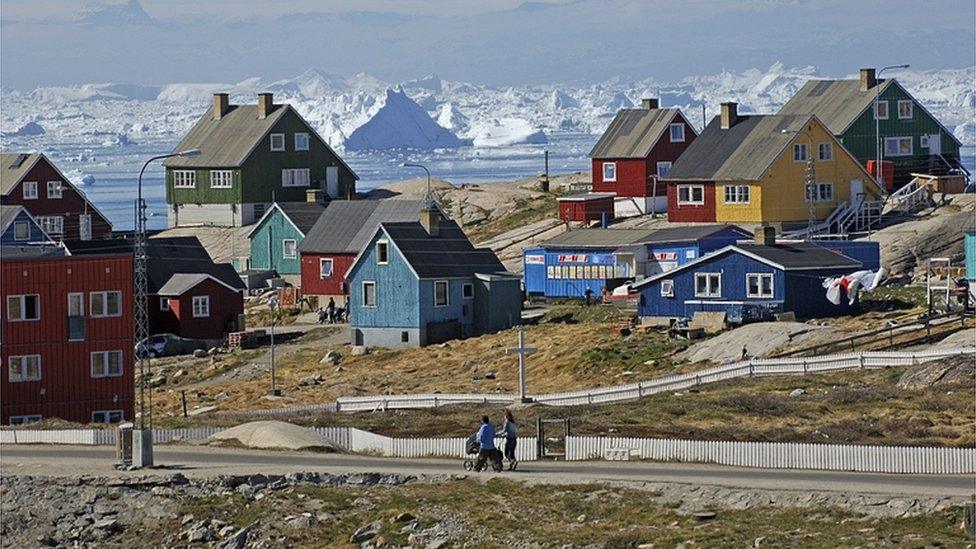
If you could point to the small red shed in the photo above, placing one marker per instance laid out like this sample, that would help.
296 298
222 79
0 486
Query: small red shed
586 207
201 306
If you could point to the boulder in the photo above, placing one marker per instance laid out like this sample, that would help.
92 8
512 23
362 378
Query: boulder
312 379
797 392
947 372
365 533
200 353
332 357
359 350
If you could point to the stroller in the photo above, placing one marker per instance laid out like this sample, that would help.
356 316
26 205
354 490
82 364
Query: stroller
472 447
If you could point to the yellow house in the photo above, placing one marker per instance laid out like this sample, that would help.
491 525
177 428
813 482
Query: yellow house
786 170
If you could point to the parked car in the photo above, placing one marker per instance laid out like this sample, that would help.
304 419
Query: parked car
168 345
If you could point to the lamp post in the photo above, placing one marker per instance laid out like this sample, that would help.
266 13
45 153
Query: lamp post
879 148
430 197
142 452
810 182
273 306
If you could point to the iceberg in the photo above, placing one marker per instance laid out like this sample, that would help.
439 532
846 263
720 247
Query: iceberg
506 131
27 130
400 123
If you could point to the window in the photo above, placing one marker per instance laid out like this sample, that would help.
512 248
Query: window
201 306
24 368
107 416
76 305
221 179
609 171
21 230
105 303
325 268
441 298
923 141
404 337
898 146
301 141
677 132
277 142
691 194
52 224
54 189
467 290
881 110
825 152
708 285
667 288
164 304
289 248
106 364
23 307
30 190
369 294
906 110
295 177
21 420
382 252
184 179
663 168
825 192
737 194
800 152
759 285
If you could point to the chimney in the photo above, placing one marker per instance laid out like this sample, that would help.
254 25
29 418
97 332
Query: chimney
868 79
650 103
430 218
765 235
265 104
221 105
730 114
314 196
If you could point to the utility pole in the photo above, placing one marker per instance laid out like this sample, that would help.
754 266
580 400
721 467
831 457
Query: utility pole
273 305
522 351
879 148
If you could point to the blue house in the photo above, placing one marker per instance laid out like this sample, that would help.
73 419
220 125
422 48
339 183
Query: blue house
419 283
602 259
749 282
276 236
19 228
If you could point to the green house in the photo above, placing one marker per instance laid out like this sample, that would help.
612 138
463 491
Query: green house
912 139
250 156
276 236
970 243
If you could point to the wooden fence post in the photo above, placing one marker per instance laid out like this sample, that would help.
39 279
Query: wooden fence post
183 398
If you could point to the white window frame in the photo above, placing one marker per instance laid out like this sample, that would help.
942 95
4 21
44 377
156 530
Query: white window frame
55 189
104 312
911 145
29 190
22 298
821 196
760 277
102 369
667 288
690 201
366 304
106 416
613 169
911 109
21 226
280 137
447 293
221 179
296 177
923 141
80 296
164 304
877 111
51 224
799 148
322 263
671 128
821 148
386 252
710 289
284 248
304 147
663 164
184 179
740 194
201 306
23 361
467 290
24 419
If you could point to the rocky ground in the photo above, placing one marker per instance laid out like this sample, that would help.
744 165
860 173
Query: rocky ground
389 510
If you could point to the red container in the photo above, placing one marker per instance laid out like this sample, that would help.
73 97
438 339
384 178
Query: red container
887 172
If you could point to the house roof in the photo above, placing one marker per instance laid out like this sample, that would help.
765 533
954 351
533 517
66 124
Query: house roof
598 238
180 283
302 215
690 233
633 133
7 215
13 167
448 255
585 197
348 225
31 252
741 153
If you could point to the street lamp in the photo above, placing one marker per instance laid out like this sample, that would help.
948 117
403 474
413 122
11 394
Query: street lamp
879 148
810 182
142 452
273 306
430 197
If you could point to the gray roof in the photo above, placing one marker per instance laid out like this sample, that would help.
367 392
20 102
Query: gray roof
180 283
741 153
598 238
583 197
690 233
448 255
8 214
13 167
30 252
347 225
302 214
227 142
800 255
633 133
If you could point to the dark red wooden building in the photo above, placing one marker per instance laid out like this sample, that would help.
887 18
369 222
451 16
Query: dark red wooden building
635 151
67 336
34 182
586 207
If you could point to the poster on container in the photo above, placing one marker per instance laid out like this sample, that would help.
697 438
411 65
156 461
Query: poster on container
603 259
572 258
535 260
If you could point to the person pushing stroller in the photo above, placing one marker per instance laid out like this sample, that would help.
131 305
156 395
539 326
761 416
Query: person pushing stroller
487 451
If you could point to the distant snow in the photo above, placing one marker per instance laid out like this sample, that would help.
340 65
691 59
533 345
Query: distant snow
966 133
400 123
27 130
505 132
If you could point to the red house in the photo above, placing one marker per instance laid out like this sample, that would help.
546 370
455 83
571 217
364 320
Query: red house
67 337
34 182
586 207
637 148
331 245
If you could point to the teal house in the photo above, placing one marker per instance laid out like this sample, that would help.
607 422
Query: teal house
971 255
420 283
276 236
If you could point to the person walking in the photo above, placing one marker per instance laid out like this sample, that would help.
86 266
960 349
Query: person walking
510 430
486 440
331 309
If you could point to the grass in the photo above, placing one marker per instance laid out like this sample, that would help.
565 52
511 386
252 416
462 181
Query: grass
527 211
895 297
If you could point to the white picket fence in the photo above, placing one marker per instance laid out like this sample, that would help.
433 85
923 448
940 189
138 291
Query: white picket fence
431 400
62 436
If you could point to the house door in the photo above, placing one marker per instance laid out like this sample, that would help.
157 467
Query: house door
857 190
332 181
84 227
935 143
